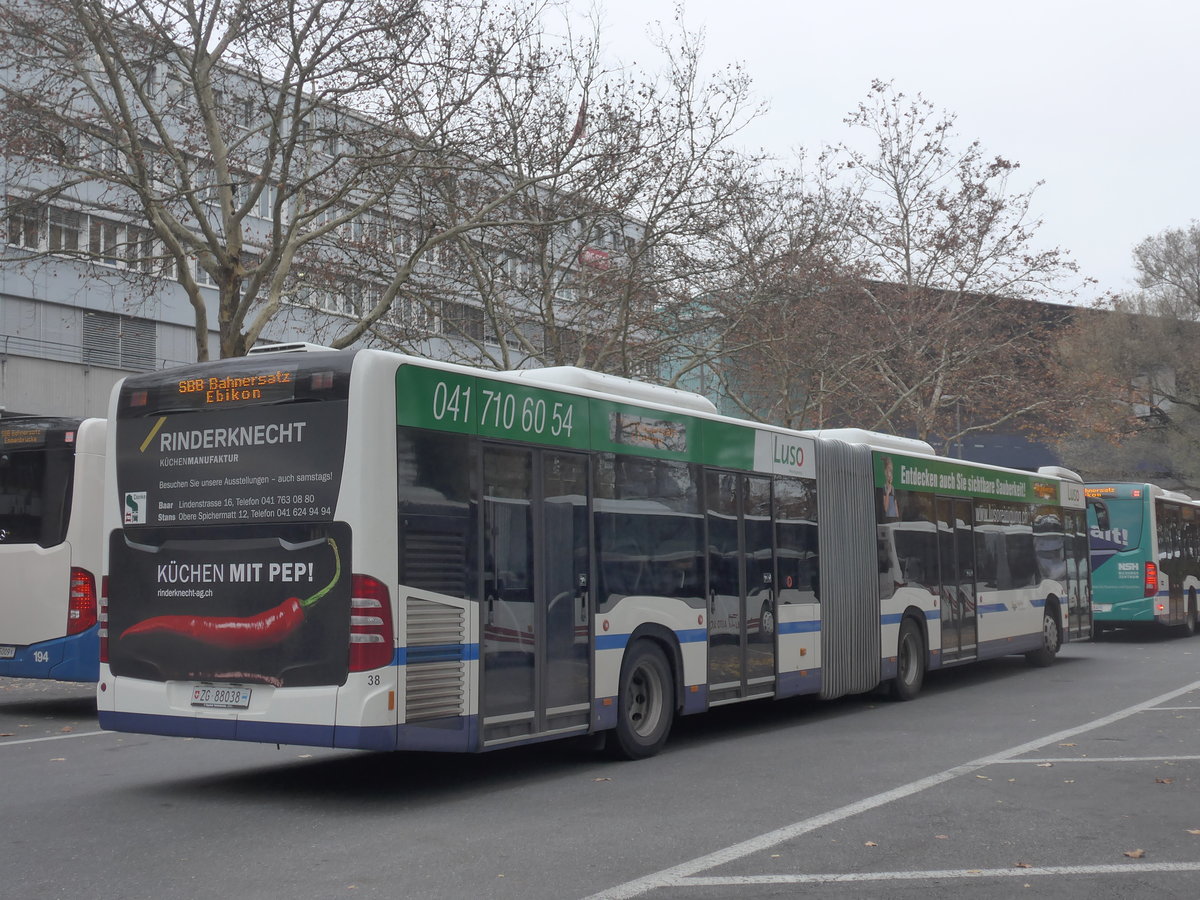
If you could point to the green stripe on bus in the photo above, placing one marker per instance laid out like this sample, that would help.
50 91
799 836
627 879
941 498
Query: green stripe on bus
962 480
469 404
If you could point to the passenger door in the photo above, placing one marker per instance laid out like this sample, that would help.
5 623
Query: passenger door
536 665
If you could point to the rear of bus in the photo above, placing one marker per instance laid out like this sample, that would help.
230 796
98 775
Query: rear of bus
51 497
1125 577
232 608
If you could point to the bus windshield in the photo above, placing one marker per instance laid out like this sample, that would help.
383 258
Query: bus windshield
1116 521
36 467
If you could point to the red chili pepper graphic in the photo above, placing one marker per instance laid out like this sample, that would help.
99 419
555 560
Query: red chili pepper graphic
262 630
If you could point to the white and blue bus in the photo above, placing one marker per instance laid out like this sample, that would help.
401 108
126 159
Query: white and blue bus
51 508
368 550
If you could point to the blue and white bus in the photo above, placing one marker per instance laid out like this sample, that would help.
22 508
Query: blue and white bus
51 506
369 550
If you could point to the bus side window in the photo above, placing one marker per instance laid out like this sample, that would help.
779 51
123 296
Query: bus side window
1098 515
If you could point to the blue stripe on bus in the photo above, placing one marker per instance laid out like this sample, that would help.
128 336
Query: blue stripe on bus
221 729
897 618
435 653
800 627
618 641
73 658
993 608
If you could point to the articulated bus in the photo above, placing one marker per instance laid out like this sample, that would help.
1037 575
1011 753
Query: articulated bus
367 550
51 543
1145 555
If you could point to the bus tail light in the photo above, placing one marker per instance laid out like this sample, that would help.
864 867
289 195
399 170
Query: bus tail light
104 619
1151 586
371 636
81 607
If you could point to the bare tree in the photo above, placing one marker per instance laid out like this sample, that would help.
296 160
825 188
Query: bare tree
409 170
594 261
1134 361
920 331
1168 266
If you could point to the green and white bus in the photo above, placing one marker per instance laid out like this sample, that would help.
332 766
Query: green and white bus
364 549
1145 555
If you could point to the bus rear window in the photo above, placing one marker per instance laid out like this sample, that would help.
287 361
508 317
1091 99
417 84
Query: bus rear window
35 495
1116 522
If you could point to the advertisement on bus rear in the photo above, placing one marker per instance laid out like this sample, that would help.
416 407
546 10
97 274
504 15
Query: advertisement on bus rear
250 610
232 466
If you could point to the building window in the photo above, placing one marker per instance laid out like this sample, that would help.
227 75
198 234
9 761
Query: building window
66 226
103 237
24 225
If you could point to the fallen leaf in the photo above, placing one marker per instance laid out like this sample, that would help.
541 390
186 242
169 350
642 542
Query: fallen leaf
1135 854
1164 780
602 779
1193 831
983 778
1023 865
66 729
1068 781
870 844
942 837
6 734
775 856
1068 745
59 759
1045 765
309 756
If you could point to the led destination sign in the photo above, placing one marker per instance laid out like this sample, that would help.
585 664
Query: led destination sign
233 388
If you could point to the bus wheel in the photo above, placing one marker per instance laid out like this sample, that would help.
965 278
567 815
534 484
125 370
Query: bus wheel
1045 654
645 703
766 620
1188 628
910 661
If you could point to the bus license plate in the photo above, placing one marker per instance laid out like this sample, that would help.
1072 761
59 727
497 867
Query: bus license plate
211 696
1102 607
7 652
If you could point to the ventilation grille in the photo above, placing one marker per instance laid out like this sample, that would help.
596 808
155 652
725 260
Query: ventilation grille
119 341
436 670
433 561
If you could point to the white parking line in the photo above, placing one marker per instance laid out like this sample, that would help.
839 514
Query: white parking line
1056 760
53 737
681 874
942 874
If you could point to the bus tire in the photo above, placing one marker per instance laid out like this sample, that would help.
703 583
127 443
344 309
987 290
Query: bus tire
910 661
1188 628
1045 654
766 621
645 703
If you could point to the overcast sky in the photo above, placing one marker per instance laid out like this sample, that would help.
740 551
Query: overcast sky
1098 99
